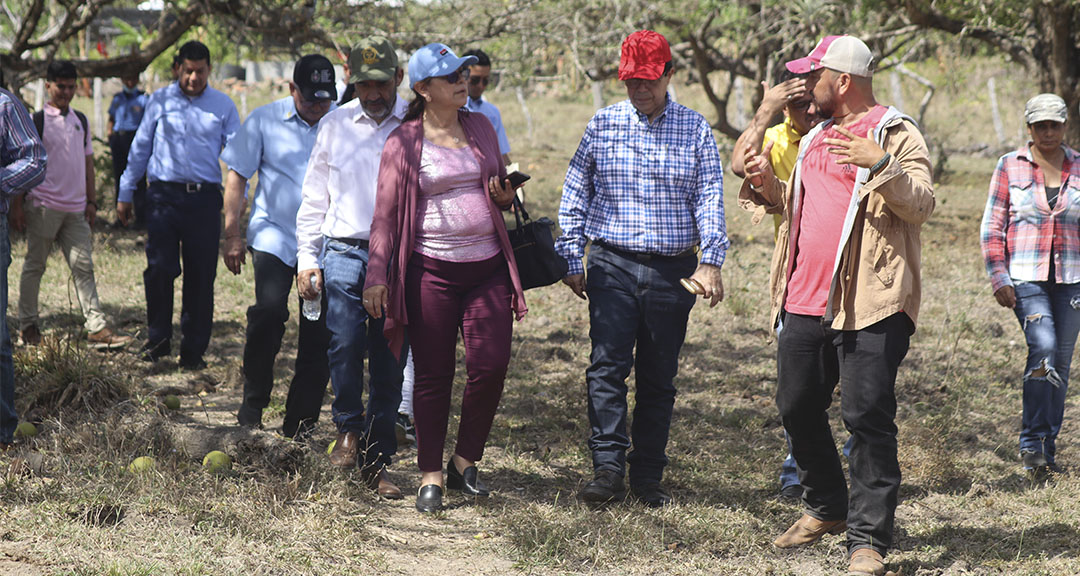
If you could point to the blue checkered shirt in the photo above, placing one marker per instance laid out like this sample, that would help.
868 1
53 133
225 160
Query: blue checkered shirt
653 188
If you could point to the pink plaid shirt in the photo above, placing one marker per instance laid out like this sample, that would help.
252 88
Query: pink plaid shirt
1019 230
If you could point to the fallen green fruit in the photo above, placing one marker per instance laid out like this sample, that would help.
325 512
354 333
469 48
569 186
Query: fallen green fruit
217 462
172 402
25 430
141 464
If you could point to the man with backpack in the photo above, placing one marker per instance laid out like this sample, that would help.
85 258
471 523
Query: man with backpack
61 210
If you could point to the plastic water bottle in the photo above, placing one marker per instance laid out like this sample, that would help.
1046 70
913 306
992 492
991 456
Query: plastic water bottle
312 309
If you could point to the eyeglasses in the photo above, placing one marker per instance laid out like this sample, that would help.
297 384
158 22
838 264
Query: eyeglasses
635 83
456 75
479 80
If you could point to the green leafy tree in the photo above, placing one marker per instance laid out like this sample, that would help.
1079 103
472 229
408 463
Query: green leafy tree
1042 37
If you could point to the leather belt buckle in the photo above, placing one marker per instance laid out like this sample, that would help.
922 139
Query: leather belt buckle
192 187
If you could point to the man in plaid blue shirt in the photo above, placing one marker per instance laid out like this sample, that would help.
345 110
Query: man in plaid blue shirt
22 166
645 188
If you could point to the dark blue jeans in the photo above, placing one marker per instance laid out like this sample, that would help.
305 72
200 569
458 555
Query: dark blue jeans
1049 314
634 301
811 359
354 335
266 326
188 226
8 418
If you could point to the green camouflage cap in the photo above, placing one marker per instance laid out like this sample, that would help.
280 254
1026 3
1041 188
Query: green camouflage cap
372 58
1046 107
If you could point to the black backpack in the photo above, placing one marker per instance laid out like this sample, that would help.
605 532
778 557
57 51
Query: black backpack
39 123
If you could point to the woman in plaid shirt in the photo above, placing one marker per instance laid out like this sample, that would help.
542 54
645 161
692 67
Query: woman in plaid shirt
1031 244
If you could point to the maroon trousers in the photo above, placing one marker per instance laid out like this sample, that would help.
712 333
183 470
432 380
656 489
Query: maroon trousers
444 298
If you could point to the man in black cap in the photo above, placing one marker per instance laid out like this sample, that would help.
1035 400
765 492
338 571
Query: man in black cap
276 141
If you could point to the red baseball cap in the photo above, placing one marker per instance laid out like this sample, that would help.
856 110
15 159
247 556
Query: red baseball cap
644 55
840 53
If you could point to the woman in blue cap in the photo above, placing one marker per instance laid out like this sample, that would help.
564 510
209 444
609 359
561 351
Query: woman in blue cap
441 263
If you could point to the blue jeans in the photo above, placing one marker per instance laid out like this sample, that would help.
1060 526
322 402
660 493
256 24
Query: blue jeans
634 300
1049 314
8 418
354 335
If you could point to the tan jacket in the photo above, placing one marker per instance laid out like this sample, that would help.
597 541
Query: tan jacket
877 266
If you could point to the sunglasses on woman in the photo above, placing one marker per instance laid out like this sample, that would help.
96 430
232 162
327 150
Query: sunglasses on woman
453 77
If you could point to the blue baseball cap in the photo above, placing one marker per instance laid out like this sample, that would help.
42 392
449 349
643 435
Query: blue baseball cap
435 60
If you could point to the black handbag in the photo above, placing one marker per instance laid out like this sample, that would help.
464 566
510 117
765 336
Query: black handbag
538 263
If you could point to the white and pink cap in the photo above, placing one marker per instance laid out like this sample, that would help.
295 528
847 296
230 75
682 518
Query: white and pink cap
840 53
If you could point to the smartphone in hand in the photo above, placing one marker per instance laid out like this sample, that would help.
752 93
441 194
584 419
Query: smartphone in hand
517 178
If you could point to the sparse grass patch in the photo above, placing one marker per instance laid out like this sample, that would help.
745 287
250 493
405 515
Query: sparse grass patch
61 373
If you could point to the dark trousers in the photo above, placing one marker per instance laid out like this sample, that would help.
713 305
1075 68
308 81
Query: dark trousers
188 226
120 144
353 336
634 300
266 326
9 419
811 359
444 298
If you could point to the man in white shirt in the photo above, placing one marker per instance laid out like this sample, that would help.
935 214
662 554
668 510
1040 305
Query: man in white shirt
335 215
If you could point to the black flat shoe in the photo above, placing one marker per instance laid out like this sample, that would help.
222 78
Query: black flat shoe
429 499
652 495
607 486
467 481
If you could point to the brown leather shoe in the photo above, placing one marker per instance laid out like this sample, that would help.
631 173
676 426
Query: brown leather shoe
866 562
106 339
381 484
345 449
807 530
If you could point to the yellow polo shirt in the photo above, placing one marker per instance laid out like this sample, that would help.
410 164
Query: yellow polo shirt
784 153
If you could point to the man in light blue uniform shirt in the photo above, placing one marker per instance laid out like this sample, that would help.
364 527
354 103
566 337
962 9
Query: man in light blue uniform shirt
182 133
479 78
125 113
276 141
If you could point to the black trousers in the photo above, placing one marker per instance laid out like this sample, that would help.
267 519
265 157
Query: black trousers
181 225
120 144
266 326
811 359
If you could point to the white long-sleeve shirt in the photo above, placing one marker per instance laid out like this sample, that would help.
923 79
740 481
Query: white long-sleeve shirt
340 182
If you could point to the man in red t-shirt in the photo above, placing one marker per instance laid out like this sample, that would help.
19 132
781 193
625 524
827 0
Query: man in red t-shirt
846 293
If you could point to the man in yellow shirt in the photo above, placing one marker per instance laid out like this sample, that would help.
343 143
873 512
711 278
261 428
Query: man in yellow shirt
791 98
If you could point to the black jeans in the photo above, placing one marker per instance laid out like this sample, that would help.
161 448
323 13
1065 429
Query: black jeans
634 300
181 225
120 145
811 358
266 326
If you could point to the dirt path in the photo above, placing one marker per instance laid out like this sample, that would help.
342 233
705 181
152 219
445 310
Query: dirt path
404 541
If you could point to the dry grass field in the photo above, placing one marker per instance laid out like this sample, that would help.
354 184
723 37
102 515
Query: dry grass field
69 505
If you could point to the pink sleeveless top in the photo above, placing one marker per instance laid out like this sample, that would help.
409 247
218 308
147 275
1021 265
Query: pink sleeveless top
454 221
